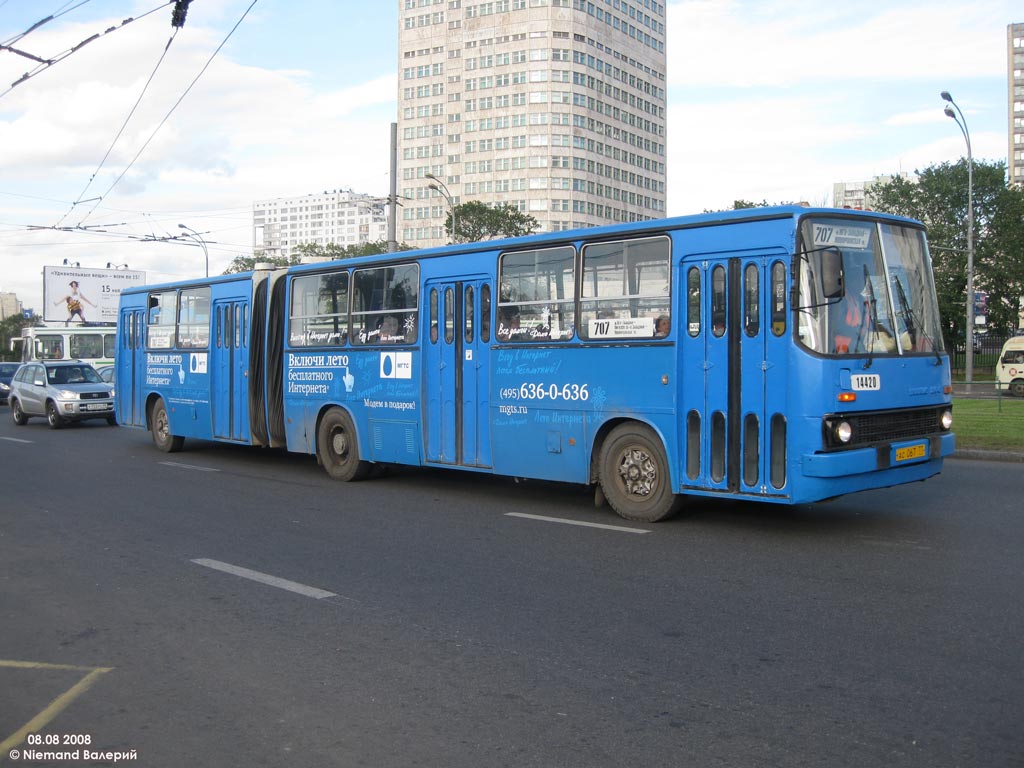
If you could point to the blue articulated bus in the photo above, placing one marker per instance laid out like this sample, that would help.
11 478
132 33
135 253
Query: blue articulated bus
785 355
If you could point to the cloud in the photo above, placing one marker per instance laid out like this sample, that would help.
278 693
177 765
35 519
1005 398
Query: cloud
741 44
770 149
242 133
233 115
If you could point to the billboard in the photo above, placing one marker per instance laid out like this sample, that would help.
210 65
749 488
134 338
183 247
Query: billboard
83 295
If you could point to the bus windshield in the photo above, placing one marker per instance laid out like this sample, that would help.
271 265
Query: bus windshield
882 302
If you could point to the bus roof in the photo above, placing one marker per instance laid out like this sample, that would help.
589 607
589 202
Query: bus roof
549 239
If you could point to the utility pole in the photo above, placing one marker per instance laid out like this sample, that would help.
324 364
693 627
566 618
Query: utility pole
393 196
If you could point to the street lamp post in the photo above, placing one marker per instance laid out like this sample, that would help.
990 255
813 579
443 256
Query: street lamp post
199 238
961 122
438 186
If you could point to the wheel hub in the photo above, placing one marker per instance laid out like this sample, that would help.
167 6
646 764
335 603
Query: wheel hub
638 472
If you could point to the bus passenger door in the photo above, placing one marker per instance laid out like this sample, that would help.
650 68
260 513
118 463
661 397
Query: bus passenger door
130 369
456 426
229 386
731 371
712 374
759 289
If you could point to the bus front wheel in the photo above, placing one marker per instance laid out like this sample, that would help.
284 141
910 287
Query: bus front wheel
634 475
161 426
338 448
1017 387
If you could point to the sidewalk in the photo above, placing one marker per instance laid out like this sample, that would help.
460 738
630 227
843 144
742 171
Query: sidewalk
979 454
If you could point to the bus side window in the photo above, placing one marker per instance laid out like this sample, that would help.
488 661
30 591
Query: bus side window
50 348
778 298
751 300
470 314
485 313
433 315
384 304
538 286
693 301
718 300
449 315
625 291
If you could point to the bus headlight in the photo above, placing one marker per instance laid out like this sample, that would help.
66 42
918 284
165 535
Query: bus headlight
843 431
946 419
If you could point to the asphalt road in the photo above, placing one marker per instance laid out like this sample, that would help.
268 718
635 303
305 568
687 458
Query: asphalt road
882 629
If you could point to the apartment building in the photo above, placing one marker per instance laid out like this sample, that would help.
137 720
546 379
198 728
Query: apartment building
9 305
557 107
1015 101
339 217
857 194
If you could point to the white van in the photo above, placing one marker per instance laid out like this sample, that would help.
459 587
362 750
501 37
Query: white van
1010 368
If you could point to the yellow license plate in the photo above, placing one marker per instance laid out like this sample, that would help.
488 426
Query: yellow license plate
913 452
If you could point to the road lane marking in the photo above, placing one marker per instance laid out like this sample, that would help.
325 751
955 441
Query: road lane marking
564 521
265 578
58 705
188 466
16 440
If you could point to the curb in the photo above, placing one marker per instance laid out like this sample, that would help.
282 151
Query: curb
978 454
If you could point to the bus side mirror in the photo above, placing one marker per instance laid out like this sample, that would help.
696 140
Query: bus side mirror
833 280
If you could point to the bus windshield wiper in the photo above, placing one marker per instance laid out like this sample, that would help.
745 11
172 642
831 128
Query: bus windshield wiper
910 319
872 321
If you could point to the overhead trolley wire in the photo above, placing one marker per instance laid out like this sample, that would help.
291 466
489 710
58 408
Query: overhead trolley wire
55 15
46 63
176 103
121 130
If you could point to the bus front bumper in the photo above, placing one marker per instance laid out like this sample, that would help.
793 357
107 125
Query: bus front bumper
876 458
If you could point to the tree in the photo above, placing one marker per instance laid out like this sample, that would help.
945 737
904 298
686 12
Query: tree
311 252
1005 271
248 263
11 327
939 199
477 221
739 205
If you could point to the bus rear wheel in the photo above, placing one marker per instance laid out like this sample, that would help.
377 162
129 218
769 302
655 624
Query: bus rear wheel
634 475
338 448
161 427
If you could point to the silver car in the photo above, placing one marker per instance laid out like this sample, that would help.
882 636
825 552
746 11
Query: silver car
61 390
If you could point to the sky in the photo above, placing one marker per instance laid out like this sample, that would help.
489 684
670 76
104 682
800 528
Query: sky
106 151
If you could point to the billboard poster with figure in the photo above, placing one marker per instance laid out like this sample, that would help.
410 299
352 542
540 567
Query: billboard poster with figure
81 296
